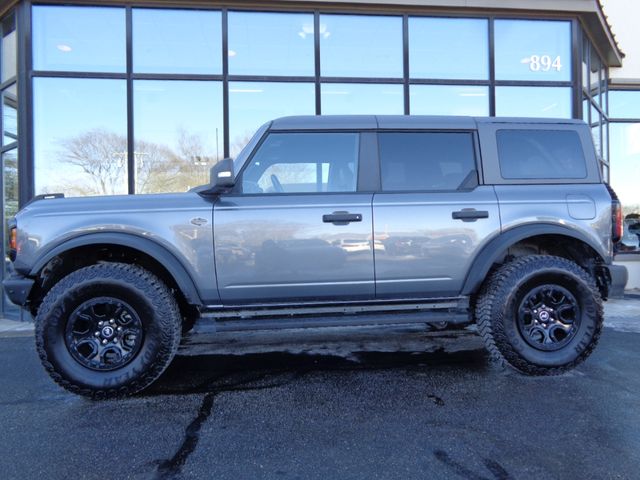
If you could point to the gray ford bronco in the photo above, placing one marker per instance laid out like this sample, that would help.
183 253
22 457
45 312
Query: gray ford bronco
327 221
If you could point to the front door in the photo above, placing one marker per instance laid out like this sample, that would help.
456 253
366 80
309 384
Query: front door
296 229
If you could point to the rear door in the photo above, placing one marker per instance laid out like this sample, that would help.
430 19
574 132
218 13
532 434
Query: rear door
297 228
431 216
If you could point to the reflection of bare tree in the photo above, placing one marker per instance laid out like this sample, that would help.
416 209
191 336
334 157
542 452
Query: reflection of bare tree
102 156
99 154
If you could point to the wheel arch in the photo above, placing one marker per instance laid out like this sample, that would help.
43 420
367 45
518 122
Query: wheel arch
534 235
154 256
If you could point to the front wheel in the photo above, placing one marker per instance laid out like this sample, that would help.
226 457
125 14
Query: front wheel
107 330
540 314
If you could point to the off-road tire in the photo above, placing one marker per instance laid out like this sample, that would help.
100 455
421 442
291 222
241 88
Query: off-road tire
497 308
147 296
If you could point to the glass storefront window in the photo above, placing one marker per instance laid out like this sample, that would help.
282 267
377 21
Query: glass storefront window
89 39
625 171
361 46
10 204
177 41
533 50
174 153
550 102
80 136
362 99
624 104
253 103
449 100
271 44
466 55
10 115
9 50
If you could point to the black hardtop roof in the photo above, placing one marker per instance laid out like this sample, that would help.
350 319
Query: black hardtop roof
371 122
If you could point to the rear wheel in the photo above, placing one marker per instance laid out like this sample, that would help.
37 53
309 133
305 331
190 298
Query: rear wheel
540 314
107 330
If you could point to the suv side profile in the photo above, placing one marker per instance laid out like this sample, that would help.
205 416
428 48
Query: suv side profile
333 220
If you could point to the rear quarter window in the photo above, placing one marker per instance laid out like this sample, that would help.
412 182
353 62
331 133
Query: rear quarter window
540 154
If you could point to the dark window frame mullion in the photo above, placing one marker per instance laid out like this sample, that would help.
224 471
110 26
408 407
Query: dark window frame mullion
492 67
316 62
26 161
576 70
405 64
226 138
131 160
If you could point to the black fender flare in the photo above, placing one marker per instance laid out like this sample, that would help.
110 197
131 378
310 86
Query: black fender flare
499 245
147 246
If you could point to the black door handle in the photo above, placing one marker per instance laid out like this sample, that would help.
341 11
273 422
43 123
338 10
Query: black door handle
342 218
469 214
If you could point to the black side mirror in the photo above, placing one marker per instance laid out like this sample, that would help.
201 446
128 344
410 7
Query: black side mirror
222 175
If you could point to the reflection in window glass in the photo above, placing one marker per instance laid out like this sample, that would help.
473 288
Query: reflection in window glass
533 50
90 39
449 100
550 102
253 103
303 163
80 136
9 47
360 46
10 202
625 171
535 154
178 133
271 44
362 98
10 114
177 41
425 161
466 55
624 104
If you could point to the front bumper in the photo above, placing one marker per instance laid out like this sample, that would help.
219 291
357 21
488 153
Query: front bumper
619 277
18 288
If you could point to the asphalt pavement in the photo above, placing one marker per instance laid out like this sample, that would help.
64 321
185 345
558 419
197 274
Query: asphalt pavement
399 403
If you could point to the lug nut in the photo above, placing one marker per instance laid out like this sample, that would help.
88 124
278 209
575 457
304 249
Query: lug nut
100 323
105 341
112 321
97 334
119 329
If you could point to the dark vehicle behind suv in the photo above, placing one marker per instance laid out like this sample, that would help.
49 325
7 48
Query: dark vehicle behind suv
333 221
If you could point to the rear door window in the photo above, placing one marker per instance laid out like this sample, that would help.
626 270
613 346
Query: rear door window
540 154
426 161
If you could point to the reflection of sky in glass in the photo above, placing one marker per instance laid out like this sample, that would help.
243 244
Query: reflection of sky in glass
518 40
177 41
167 110
10 114
360 46
624 104
466 55
361 98
8 48
625 162
88 39
271 43
550 102
65 109
449 100
253 103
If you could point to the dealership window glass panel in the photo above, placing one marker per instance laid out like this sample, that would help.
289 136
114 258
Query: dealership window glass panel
360 46
425 161
177 41
10 114
362 99
533 50
10 203
624 104
303 163
271 44
550 102
625 172
253 103
89 39
466 55
80 136
539 154
449 100
9 47
174 152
